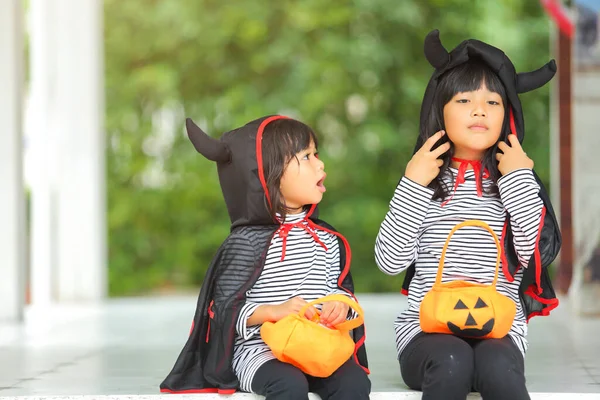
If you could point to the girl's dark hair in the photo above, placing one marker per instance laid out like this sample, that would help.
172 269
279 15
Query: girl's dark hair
282 140
463 78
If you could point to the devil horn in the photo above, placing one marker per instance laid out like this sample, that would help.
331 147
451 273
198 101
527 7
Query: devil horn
435 52
527 81
213 149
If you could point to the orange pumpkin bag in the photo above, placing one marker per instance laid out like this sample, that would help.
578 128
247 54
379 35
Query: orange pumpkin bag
467 309
313 348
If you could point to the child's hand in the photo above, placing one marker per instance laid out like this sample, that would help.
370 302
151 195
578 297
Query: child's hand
292 306
512 157
333 313
424 165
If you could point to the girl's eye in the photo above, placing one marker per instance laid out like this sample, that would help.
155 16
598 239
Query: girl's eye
306 156
494 103
463 101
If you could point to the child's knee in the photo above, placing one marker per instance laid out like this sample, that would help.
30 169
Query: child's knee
279 380
499 368
292 387
454 364
502 368
358 382
500 380
494 358
351 379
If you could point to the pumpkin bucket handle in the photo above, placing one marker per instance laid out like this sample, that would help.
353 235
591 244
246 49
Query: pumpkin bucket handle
344 326
471 222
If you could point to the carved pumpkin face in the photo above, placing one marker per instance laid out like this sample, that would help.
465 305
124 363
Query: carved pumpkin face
475 323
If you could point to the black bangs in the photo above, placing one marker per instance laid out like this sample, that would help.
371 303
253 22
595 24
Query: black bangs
468 77
289 137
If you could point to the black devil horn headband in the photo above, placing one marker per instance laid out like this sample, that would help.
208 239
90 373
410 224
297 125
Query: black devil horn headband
435 52
527 81
438 57
213 149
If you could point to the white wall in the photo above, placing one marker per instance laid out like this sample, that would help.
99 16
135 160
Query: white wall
12 199
65 129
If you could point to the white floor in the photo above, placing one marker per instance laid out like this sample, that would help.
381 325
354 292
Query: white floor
127 346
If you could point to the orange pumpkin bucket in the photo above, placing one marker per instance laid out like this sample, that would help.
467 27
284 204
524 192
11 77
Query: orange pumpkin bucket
467 309
313 348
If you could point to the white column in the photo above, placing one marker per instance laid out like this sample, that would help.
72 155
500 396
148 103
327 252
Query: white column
41 126
78 110
12 199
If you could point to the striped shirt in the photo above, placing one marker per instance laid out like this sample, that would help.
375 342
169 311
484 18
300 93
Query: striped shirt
416 227
308 271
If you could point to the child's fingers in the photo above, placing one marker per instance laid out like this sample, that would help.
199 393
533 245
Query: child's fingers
338 319
326 312
441 150
310 312
428 145
503 146
514 141
339 315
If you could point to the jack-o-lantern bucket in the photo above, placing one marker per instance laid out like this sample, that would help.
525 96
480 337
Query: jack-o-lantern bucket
467 309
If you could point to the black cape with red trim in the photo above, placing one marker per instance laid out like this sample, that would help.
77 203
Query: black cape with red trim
205 363
536 291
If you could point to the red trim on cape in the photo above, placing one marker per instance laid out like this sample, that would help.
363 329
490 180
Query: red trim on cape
259 156
207 390
404 291
536 253
513 127
341 278
551 303
211 315
505 270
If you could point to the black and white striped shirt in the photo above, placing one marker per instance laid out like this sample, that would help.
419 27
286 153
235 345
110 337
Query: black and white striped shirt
416 227
308 271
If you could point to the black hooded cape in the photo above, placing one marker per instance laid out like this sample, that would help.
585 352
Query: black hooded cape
536 291
204 364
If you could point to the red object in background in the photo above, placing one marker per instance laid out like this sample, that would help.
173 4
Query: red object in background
559 15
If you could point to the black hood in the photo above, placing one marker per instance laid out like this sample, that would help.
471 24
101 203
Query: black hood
238 154
515 83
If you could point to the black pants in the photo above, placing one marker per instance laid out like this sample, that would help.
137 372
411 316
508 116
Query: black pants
280 381
448 367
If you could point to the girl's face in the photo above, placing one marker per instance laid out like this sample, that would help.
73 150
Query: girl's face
302 180
473 122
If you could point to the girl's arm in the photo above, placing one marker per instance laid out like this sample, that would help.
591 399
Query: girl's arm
251 317
519 194
397 247
260 315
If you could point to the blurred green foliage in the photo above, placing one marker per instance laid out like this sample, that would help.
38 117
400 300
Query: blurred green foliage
353 70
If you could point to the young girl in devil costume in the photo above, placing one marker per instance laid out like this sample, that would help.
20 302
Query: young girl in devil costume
469 164
277 258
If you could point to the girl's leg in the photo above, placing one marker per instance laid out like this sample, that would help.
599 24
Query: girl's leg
350 381
499 370
280 381
439 365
